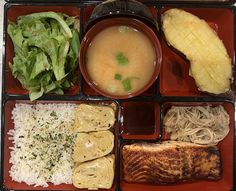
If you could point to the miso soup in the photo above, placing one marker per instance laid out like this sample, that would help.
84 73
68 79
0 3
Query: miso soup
120 60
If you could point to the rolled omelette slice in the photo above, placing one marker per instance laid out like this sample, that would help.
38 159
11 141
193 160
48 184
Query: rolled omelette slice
94 118
92 145
95 174
210 63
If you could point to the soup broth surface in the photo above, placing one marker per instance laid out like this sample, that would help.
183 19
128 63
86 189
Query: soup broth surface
120 60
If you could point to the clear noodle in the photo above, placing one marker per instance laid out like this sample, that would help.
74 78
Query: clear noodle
206 125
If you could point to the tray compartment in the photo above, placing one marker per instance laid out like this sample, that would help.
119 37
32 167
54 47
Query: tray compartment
182 96
140 120
174 75
11 85
225 147
86 89
8 183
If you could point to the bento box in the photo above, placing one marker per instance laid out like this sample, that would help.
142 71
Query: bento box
170 137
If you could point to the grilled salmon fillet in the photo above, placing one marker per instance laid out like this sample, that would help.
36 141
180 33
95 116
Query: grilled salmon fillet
170 162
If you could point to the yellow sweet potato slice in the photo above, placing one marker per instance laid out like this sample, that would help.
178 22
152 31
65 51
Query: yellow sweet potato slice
210 63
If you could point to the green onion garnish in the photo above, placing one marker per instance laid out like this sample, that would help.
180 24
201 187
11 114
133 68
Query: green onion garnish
126 84
121 59
118 77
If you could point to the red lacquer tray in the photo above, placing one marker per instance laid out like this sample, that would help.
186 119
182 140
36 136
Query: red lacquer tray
140 118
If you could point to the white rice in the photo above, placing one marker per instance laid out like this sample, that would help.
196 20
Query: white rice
43 143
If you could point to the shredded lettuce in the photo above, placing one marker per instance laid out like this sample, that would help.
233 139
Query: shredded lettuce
46 47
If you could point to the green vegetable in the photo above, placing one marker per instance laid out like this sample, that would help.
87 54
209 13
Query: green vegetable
46 47
118 77
121 59
45 15
127 84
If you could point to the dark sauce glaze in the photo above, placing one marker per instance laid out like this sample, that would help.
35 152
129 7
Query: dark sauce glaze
139 119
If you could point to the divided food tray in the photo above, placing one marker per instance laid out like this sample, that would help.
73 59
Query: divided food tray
140 118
